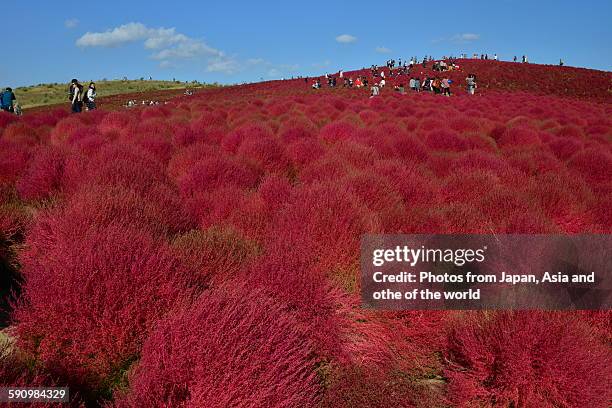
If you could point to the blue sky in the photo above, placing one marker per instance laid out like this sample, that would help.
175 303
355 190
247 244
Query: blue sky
236 41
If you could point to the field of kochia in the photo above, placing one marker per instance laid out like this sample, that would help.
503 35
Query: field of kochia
205 253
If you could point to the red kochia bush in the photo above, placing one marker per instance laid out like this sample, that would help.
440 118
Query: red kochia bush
232 348
6 119
593 165
158 210
518 136
90 296
233 140
214 255
337 132
326 222
275 191
565 147
215 172
446 140
13 161
266 153
44 174
302 152
22 133
124 165
527 359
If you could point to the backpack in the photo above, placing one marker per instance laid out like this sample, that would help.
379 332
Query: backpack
2 100
71 92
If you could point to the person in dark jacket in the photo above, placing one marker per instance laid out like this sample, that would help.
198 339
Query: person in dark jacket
6 100
76 96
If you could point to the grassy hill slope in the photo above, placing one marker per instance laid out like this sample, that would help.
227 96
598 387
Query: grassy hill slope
51 94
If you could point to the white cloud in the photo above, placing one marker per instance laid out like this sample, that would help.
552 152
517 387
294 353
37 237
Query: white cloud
166 65
255 61
383 50
169 45
223 64
465 37
71 23
126 33
187 49
346 38
163 37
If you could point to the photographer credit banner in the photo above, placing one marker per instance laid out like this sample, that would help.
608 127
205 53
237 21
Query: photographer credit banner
493 272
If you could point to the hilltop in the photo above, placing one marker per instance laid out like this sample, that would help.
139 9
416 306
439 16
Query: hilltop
494 76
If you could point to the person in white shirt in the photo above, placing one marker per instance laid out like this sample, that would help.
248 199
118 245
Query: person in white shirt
375 91
90 96
382 83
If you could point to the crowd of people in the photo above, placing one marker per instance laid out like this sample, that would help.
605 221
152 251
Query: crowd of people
439 84
133 102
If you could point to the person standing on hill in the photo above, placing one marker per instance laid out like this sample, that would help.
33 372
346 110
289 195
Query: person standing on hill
375 91
6 100
471 83
560 62
445 85
435 85
90 96
76 96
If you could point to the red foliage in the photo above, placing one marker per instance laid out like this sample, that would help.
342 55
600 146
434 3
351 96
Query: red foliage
232 347
89 302
44 174
13 161
209 174
527 359
257 196
124 165
594 165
